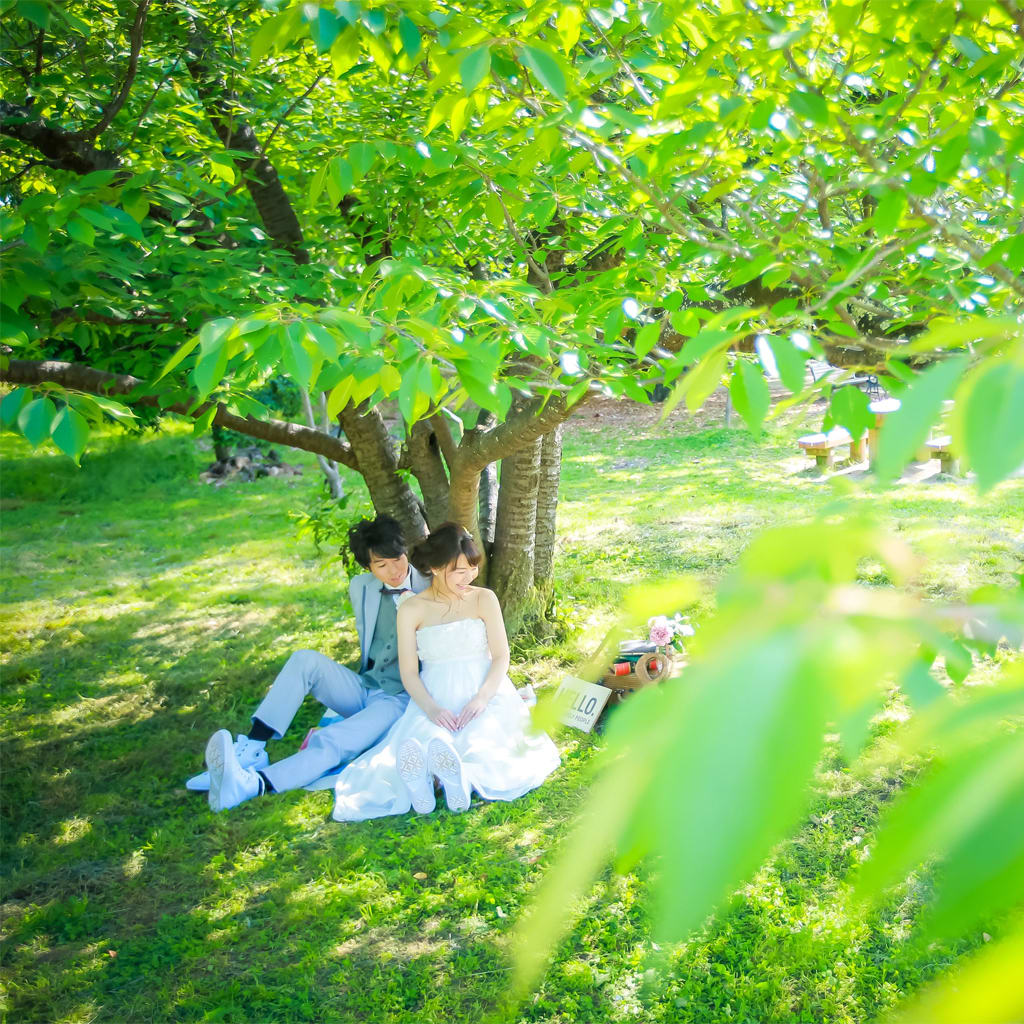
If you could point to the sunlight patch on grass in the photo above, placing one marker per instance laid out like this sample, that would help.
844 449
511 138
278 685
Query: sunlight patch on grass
72 830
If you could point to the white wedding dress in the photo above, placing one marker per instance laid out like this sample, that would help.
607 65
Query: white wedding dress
501 758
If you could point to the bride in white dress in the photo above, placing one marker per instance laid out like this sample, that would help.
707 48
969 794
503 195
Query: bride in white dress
465 725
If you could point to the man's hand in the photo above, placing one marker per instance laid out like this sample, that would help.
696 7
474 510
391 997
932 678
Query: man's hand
444 718
473 708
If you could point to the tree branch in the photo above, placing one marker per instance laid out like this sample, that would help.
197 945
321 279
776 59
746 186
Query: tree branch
259 174
135 36
523 426
78 377
284 116
60 147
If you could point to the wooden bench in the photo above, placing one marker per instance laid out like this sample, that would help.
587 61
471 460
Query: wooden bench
941 448
823 446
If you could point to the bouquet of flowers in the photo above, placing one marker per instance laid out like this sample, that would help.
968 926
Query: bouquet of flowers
664 632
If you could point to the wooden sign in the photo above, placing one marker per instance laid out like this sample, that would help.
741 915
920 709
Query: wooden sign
579 703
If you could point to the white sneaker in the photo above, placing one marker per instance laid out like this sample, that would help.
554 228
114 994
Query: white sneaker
412 766
443 762
230 783
250 754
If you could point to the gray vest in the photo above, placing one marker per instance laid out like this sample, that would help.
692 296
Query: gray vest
383 653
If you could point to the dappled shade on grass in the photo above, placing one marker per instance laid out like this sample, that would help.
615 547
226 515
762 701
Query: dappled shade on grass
146 611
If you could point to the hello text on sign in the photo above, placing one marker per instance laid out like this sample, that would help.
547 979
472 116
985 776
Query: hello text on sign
579 703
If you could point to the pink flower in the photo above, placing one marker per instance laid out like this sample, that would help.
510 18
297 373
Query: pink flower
661 631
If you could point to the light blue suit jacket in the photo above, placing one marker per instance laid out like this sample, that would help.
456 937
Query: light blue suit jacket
364 590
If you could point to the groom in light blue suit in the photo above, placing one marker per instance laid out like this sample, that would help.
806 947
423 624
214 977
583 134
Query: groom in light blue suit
367 702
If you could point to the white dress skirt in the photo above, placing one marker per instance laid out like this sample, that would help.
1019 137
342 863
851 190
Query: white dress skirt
501 758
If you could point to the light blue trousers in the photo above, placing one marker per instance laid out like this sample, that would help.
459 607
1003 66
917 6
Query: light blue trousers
368 714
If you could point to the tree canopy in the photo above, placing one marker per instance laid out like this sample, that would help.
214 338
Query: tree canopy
516 207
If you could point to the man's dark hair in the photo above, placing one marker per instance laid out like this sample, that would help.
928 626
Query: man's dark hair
381 536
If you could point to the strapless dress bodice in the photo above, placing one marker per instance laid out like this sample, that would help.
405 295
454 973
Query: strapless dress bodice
461 640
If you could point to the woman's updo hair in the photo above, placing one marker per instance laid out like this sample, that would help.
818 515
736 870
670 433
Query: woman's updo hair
443 547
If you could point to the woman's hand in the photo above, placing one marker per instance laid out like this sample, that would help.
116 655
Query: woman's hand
470 711
444 718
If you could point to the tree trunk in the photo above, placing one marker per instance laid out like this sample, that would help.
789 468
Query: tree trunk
428 467
377 463
511 570
464 500
327 467
547 505
221 451
488 503
488 509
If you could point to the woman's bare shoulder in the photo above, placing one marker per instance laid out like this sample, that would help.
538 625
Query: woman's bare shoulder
484 598
412 609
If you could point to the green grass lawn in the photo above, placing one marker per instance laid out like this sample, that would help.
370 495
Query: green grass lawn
142 610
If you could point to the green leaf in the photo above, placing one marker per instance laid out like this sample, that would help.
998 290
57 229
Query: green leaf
339 396
341 179
761 115
209 370
127 224
37 13
993 422
324 29
35 419
362 156
37 235
81 231
414 393
698 384
136 205
980 989
891 207
920 686
646 339
459 116
70 433
706 340
546 68
809 105
178 356
440 112
790 361
222 167
95 218
316 185
475 67
115 410
409 33
966 811
265 36
204 421
298 363
12 405
567 24
968 47
575 393
493 210
849 408
685 322
750 395
905 430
